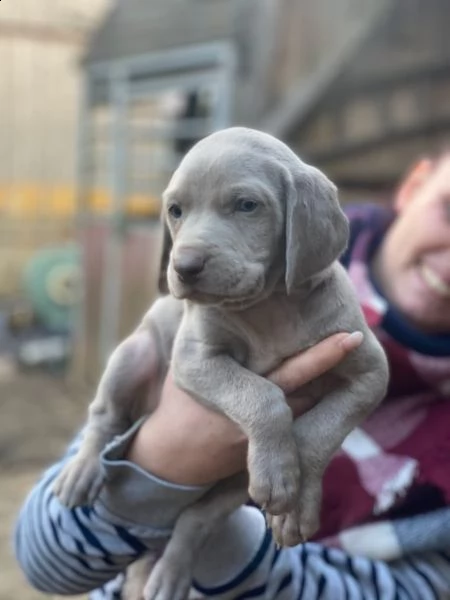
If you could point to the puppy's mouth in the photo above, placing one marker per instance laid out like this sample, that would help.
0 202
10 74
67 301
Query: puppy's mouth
230 299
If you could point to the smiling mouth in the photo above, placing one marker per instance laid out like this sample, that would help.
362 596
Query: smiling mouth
434 281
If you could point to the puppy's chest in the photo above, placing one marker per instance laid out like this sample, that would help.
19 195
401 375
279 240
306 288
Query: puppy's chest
271 335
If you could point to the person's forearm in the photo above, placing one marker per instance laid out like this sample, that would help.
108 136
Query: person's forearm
198 447
186 443
64 551
204 456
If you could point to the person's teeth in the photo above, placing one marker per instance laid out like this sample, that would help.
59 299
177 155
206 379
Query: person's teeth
435 282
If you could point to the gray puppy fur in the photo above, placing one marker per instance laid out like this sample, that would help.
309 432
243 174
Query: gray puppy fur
255 235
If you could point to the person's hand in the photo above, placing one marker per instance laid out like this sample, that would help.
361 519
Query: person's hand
186 443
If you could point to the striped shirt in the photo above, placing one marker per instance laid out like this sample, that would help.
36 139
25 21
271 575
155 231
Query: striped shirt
67 552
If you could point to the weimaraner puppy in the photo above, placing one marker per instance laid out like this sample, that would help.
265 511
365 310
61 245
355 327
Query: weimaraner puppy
253 276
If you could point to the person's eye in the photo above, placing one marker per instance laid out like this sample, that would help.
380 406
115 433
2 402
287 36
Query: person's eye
246 205
175 211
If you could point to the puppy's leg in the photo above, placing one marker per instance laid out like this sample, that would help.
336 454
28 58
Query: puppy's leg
136 577
259 408
319 433
171 577
133 361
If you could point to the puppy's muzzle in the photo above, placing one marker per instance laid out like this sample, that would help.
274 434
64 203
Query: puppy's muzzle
188 263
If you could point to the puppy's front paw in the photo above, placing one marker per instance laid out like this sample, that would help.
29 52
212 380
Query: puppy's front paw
169 580
290 530
301 523
79 482
286 530
274 477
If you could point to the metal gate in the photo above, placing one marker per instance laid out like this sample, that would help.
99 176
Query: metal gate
138 117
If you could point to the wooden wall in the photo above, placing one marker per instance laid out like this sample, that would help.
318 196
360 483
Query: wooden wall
41 42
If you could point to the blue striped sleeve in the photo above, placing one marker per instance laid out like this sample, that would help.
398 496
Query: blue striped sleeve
240 561
64 551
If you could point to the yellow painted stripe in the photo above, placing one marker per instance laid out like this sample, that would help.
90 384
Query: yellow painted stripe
30 200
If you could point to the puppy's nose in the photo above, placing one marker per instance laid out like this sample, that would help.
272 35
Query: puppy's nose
188 264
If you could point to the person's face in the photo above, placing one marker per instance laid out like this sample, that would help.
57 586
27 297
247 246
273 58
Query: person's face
413 264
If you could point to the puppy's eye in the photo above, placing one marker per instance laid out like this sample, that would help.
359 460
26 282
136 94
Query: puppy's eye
246 205
175 211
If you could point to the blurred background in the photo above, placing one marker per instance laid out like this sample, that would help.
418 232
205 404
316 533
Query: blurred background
99 100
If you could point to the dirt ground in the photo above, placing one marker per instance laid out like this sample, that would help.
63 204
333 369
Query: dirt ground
38 416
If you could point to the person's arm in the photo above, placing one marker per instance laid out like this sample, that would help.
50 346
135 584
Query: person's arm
152 472
166 446
240 559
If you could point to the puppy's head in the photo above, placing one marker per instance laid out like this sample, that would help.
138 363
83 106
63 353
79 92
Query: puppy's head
243 213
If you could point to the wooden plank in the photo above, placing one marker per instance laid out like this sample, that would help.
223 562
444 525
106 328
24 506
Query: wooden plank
316 77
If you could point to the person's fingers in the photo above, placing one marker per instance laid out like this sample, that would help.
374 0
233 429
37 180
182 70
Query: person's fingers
306 366
351 341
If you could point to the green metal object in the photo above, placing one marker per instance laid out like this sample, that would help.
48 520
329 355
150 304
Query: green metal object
52 281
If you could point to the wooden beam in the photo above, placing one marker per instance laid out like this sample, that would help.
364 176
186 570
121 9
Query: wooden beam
346 150
432 72
304 99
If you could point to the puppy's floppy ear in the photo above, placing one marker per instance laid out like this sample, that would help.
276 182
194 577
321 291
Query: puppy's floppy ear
166 249
317 229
